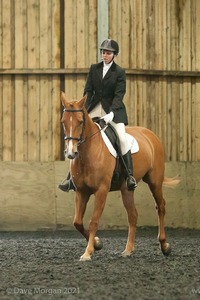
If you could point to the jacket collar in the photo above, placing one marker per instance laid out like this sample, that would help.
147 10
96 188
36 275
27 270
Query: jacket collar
108 74
112 69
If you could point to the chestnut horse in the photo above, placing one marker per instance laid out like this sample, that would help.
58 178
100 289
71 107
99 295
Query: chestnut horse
92 168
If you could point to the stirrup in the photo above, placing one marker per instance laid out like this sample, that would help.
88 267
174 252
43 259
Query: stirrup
131 183
66 187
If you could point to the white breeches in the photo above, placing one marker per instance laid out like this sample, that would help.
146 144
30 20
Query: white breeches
120 128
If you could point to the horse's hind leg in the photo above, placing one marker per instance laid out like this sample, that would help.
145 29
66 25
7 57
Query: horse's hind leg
160 206
128 201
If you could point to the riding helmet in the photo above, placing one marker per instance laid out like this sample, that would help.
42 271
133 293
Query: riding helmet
110 45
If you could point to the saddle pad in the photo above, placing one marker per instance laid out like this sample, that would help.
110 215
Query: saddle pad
134 147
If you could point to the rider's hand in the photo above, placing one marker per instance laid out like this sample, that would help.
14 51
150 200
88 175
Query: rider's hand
109 117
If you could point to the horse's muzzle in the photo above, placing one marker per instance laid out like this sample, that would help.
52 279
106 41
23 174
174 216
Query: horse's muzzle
71 155
71 149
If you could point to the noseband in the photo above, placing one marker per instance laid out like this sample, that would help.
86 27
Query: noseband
79 139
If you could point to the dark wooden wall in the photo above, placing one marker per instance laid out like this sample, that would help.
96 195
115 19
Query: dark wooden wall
48 45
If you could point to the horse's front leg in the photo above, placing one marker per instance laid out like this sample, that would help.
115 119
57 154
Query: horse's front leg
81 204
99 204
128 201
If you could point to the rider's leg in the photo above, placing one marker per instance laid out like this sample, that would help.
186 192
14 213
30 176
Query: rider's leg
130 180
67 184
126 155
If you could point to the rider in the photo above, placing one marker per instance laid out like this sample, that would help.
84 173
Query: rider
105 88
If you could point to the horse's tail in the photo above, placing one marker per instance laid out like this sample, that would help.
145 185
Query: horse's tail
171 182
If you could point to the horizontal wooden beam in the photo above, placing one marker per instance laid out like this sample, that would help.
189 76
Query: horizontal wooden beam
43 71
163 73
72 71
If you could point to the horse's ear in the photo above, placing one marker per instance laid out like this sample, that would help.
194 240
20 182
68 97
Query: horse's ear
63 99
82 101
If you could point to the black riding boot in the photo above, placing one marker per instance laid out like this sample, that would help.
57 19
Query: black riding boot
130 180
68 185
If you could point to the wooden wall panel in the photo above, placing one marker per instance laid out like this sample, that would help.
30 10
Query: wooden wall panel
80 33
70 35
165 106
32 34
8 120
1 119
6 40
195 35
163 37
154 36
20 124
30 106
32 119
196 120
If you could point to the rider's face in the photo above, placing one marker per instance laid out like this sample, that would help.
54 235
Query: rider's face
107 56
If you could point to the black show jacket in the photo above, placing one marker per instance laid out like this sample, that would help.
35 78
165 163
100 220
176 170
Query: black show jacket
109 91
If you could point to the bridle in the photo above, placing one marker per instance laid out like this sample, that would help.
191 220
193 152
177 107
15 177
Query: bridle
79 139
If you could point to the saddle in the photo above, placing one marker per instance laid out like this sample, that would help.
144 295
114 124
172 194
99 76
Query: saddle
111 133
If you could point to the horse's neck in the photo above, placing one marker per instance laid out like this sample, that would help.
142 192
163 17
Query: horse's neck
90 128
92 138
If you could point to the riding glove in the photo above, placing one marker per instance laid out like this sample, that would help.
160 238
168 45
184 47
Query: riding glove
109 117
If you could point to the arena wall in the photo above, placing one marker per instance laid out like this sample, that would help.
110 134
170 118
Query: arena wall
30 199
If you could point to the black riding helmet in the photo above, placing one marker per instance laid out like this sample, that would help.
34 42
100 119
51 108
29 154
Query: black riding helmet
110 45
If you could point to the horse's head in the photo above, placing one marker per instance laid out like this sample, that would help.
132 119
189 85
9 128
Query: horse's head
73 120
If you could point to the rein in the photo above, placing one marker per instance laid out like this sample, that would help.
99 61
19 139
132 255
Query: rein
98 131
80 139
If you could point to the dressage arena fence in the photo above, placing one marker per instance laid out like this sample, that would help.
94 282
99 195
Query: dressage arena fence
47 46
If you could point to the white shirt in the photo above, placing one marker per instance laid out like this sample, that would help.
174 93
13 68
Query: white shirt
106 67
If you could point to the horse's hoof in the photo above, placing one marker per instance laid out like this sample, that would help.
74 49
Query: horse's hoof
167 250
85 258
126 253
98 245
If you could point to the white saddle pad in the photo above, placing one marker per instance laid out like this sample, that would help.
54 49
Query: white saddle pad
134 147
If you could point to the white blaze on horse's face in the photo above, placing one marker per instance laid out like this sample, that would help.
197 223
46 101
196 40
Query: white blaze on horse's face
73 122
70 147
